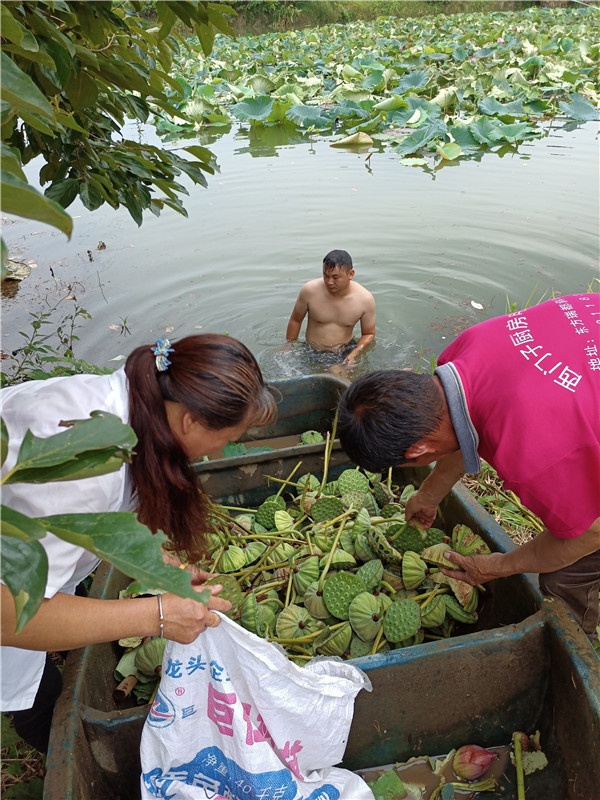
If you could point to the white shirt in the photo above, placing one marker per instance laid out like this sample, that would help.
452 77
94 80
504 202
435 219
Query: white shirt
39 406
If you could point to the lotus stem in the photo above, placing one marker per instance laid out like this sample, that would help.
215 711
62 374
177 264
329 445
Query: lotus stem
516 740
289 588
289 478
343 517
377 641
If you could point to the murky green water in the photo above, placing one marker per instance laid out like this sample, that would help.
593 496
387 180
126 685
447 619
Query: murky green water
426 245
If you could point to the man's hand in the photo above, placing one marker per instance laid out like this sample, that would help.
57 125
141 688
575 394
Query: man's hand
419 512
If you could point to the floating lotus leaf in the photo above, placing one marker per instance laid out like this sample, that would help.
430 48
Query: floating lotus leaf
231 591
326 508
457 612
435 555
265 514
283 521
253 551
338 592
260 83
467 542
362 549
339 560
231 559
382 547
332 488
305 573
433 613
359 138
333 643
354 500
359 648
312 481
414 570
351 480
371 573
401 620
390 510
295 621
365 614
281 553
314 603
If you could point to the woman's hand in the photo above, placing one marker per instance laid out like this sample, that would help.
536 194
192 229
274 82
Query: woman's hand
474 569
185 619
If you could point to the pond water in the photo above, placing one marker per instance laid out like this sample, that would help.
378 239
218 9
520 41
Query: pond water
429 245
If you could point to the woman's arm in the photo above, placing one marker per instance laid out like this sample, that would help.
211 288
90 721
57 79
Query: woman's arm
66 621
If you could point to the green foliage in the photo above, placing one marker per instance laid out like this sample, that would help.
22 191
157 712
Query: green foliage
72 74
86 449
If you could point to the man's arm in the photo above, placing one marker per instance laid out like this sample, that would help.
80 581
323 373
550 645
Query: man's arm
545 553
367 331
422 506
297 318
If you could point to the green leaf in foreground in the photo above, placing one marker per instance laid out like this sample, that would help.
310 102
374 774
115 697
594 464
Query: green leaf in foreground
579 108
23 200
87 448
388 786
118 537
24 564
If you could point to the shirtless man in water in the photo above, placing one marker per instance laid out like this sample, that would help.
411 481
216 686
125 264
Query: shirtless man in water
334 304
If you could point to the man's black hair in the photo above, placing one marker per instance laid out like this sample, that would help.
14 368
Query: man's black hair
337 258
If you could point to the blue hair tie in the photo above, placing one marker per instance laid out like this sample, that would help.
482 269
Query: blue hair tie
161 351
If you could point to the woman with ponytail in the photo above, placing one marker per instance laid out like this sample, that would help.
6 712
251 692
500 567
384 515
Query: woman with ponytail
183 400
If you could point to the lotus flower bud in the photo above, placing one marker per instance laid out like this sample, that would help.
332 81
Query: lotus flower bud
470 762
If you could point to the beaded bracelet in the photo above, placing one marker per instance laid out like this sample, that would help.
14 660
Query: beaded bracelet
161 618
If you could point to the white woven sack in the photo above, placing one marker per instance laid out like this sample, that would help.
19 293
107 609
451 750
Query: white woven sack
235 719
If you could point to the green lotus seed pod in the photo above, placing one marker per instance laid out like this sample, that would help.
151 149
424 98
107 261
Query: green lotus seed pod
382 547
333 643
253 551
277 499
414 570
311 437
311 480
401 620
331 488
340 560
231 591
231 559
295 621
355 500
314 603
410 538
281 553
362 550
305 573
265 514
435 555
359 648
326 508
434 536
433 613
338 592
371 573
365 614
283 521
351 480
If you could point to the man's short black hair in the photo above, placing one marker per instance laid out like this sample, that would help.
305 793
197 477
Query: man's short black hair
337 258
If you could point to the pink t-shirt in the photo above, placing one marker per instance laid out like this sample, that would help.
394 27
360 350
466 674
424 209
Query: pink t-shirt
531 380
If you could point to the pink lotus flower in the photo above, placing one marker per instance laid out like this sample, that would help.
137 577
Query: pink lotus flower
500 40
471 761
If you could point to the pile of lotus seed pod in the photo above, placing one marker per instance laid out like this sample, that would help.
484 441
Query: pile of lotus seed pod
332 568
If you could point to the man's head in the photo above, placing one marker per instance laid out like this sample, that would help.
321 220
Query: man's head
337 271
384 415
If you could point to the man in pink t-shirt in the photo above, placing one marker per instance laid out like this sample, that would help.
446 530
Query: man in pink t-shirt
521 391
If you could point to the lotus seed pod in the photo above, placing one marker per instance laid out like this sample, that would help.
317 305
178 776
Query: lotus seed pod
308 501
277 499
323 541
149 656
374 477
281 553
435 555
340 560
283 521
371 506
365 614
294 512
231 591
410 539
257 618
269 598
464 593
362 550
212 542
362 522
401 620
314 603
434 536
333 643
414 570
346 541
371 573
311 437
305 573
457 612
467 542
382 494
385 600
244 521
393 578
382 547
257 527
351 480
392 510
231 559
433 613
253 551
418 638
338 592
355 500
312 481
295 621
265 514
326 508
472 601
358 648
331 488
